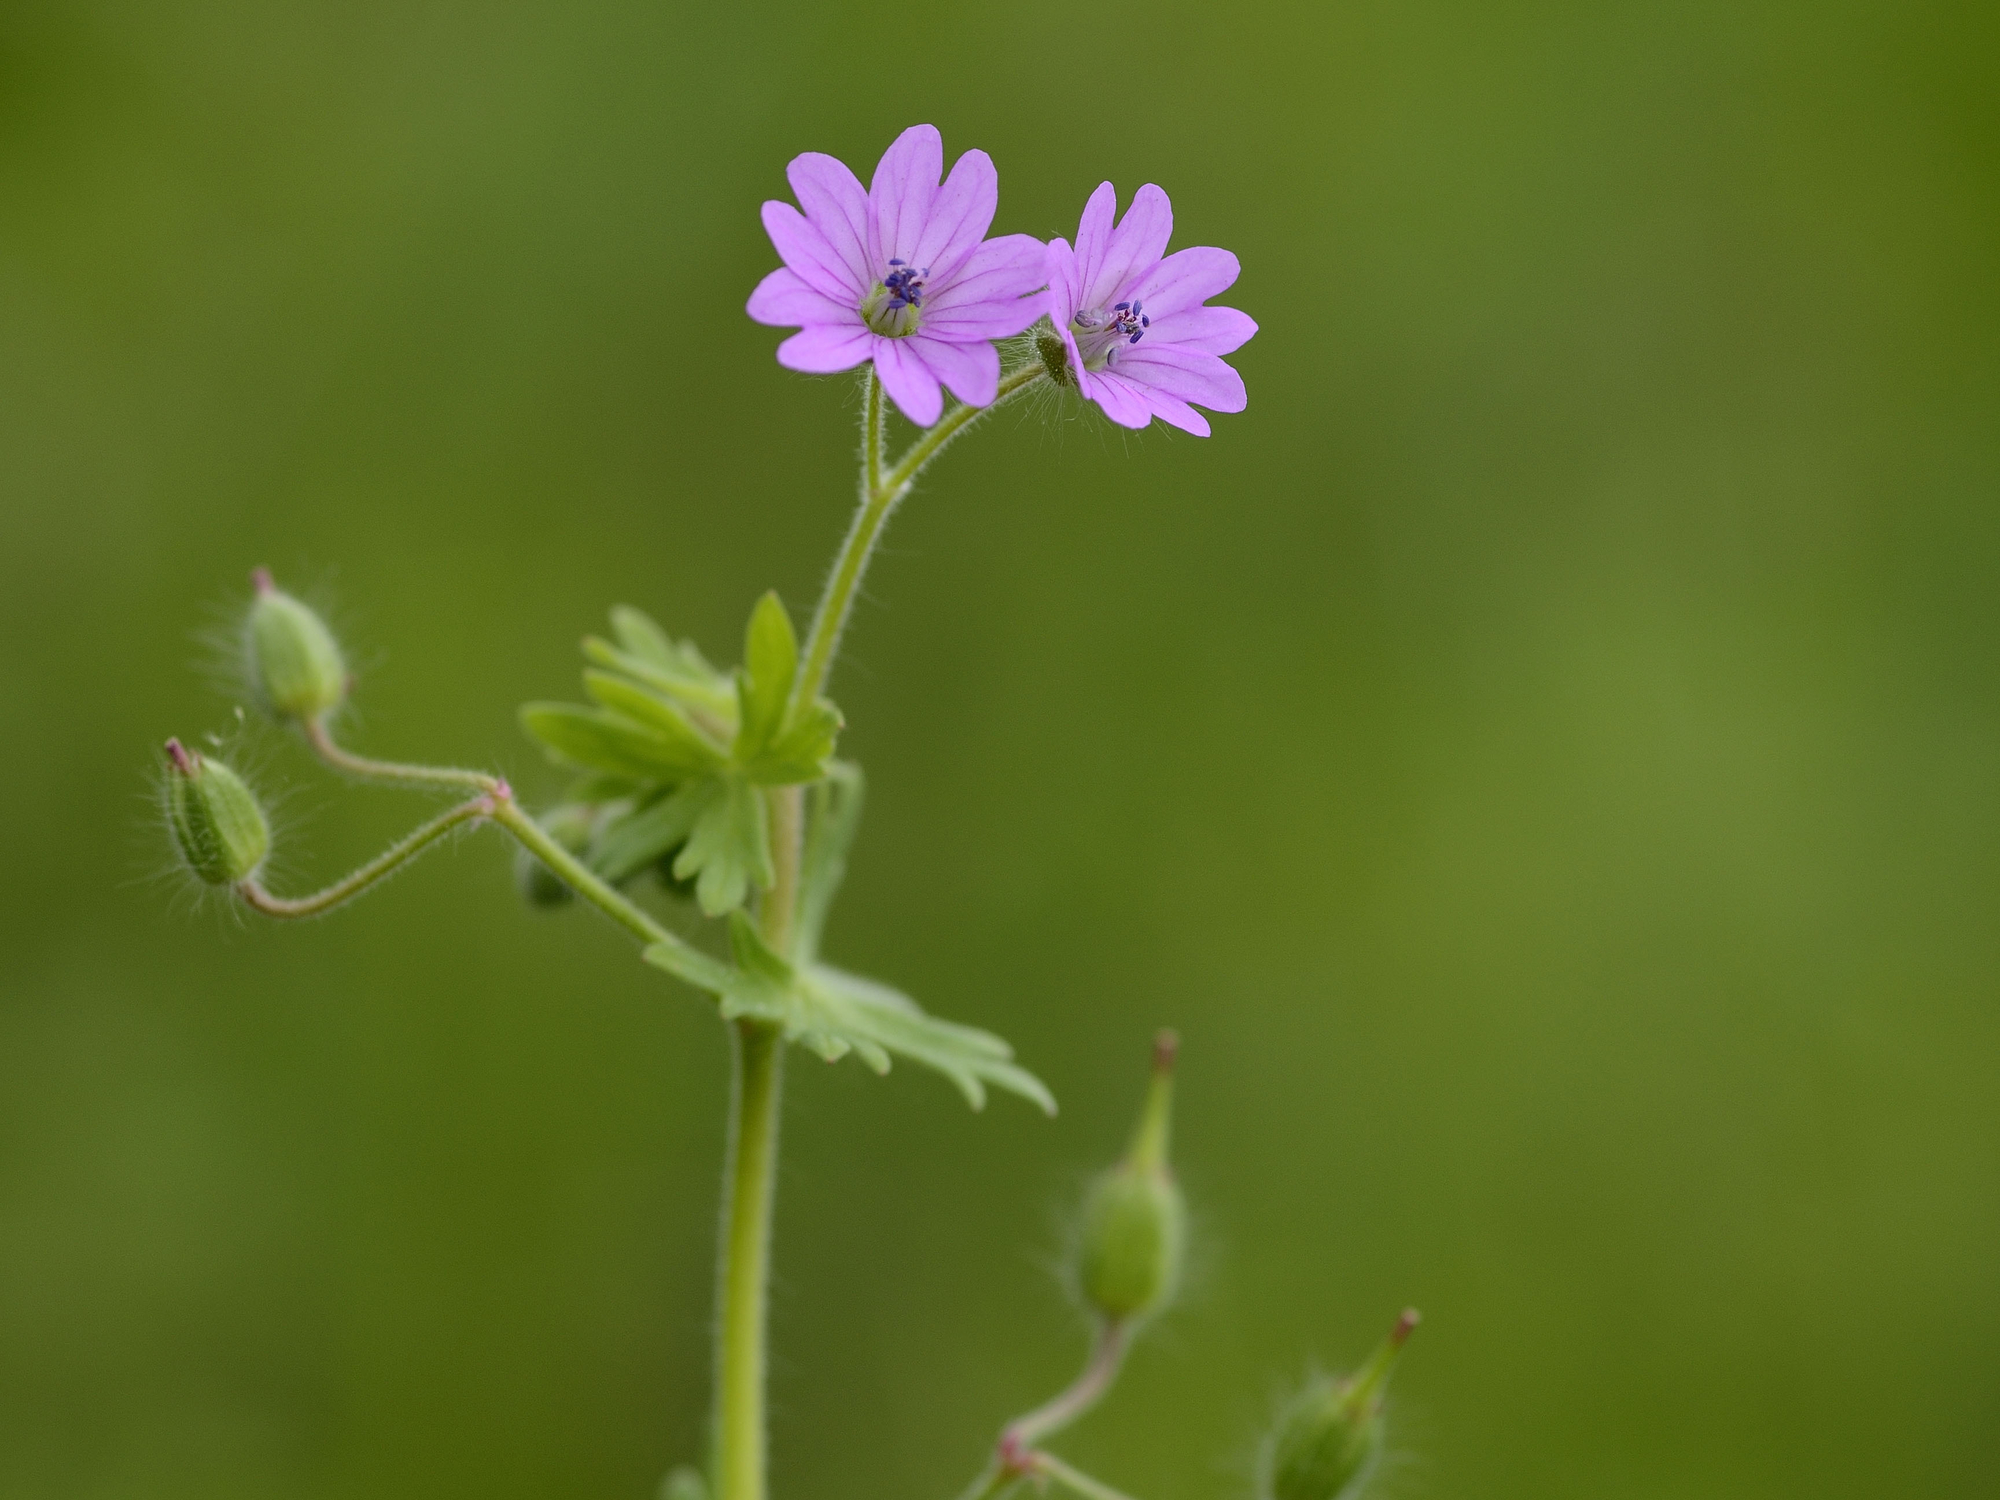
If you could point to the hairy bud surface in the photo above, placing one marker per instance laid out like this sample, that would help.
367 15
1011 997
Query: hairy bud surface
218 826
295 663
1329 1437
1134 1222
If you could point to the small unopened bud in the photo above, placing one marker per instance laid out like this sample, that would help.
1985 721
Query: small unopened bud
1329 1437
1054 355
217 823
1133 1221
295 663
568 825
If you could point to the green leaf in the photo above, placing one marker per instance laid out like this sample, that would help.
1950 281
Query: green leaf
627 844
657 713
833 815
834 1013
801 752
728 849
705 689
770 662
890 1021
594 740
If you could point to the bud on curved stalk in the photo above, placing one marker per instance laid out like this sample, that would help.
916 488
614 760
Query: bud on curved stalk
1329 1438
218 826
294 662
569 826
1134 1222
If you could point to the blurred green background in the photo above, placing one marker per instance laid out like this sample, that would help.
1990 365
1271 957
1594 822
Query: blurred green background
1542 755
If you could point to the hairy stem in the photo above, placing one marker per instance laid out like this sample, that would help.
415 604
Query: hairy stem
394 772
745 1262
1075 1479
1015 1455
880 493
1106 1358
382 865
587 884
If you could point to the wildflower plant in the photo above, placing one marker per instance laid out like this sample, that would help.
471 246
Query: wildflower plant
718 794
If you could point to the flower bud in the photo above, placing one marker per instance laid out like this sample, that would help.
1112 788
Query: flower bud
1329 1436
1133 1221
217 823
568 825
295 663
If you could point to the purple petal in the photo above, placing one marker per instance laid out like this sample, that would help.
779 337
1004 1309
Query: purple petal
971 370
783 300
899 197
1062 283
807 252
1120 399
825 350
1177 414
1136 245
1185 374
909 382
837 206
1212 330
1185 279
960 215
1093 236
1144 403
991 297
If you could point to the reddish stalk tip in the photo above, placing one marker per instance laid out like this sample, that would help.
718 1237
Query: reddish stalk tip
1166 1046
1405 1326
260 580
182 757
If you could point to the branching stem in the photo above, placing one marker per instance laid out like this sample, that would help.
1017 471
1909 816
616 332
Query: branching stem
396 773
880 494
381 866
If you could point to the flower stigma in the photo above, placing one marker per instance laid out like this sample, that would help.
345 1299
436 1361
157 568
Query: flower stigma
893 309
1099 331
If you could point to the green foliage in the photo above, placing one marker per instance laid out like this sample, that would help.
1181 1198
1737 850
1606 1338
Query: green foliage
569 824
686 750
834 1013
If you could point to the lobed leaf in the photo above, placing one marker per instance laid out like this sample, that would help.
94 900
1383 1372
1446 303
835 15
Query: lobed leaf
595 740
627 844
834 1013
729 848
764 690
658 713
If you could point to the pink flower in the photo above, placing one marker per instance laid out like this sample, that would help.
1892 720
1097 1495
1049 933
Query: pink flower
1138 339
902 274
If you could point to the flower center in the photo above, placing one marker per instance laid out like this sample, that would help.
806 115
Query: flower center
893 308
1099 331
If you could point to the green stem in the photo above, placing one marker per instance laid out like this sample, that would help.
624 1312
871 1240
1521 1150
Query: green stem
386 863
745 1262
880 493
1015 1454
395 772
1075 1479
508 814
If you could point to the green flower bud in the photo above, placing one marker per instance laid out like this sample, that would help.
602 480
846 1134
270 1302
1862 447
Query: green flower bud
1329 1437
1134 1223
295 663
568 825
217 823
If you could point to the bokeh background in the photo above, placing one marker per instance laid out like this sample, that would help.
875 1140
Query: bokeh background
1542 755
